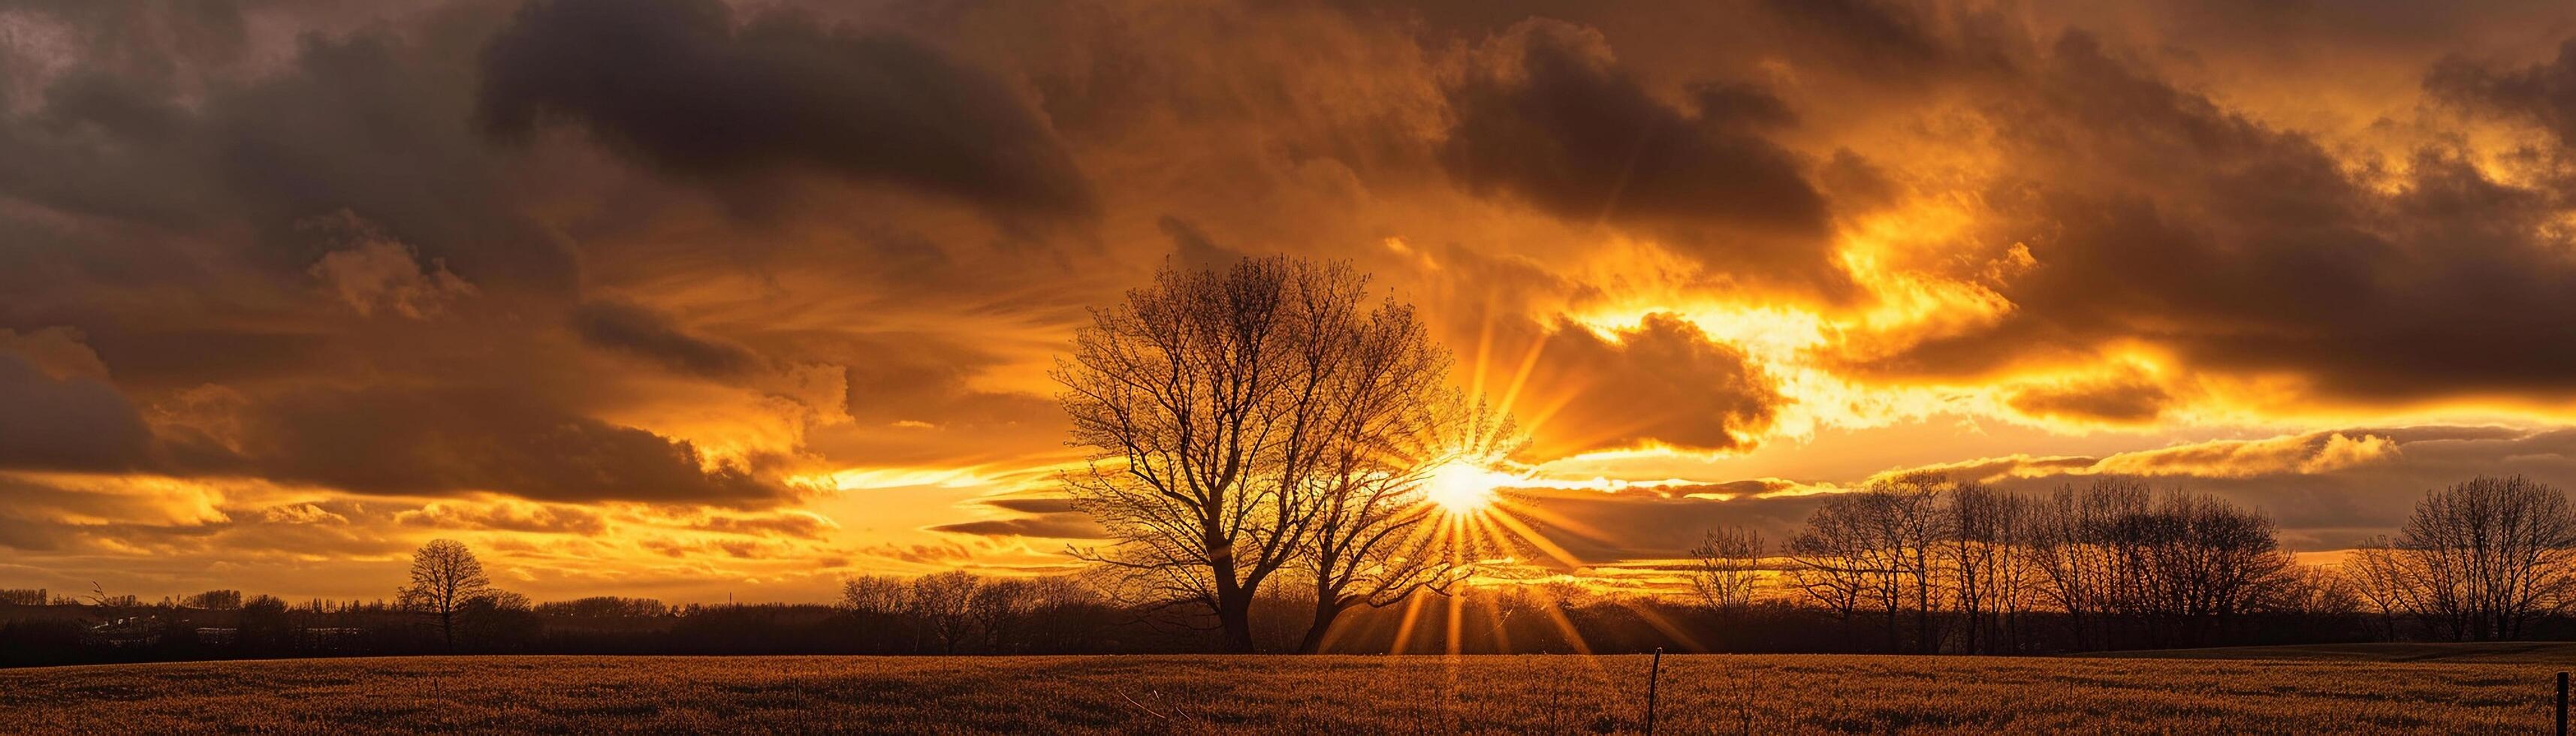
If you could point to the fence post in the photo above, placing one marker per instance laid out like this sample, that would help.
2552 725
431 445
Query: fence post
1654 673
2562 704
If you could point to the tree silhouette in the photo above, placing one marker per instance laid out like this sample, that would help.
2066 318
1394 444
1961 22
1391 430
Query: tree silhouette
945 600
2477 560
1228 411
1727 568
444 576
1392 422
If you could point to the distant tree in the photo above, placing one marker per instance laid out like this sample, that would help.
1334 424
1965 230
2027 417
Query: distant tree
2317 591
996 608
2132 568
1064 614
1987 575
1876 548
1726 568
497 620
444 576
945 602
2478 560
23 597
1831 558
1205 401
605 606
876 594
265 625
216 600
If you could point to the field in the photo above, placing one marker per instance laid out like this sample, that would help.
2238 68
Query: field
2560 653
1199 694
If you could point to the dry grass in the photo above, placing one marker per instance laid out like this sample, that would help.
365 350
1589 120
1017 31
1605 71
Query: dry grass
1562 694
2561 653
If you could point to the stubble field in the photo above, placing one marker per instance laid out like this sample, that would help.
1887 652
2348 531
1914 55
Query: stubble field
1209 694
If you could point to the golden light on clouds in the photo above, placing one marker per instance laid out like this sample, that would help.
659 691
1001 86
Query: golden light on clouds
283 295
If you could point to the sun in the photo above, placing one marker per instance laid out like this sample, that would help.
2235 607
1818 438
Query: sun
1461 488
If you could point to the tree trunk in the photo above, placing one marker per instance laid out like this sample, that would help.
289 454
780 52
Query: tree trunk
1326 611
1234 616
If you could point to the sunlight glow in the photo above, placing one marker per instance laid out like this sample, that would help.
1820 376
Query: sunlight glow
1461 488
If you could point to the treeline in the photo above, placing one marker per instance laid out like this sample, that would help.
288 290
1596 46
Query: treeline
1914 564
1936 566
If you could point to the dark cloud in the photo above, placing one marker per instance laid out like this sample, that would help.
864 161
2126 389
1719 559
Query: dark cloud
643 332
323 139
2126 401
66 423
1049 518
1549 117
2153 213
1663 381
1193 246
371 249
389 440
1051 526
682 85
1033 505
2543 94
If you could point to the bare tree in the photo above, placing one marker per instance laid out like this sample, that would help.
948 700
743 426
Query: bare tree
2388 581
1875 547
2130 567
1375 539
2077 566
1831 558
876 594
1208 400
995 610
1987 577
1727 568
444 576
2477 560
945 601
1909 524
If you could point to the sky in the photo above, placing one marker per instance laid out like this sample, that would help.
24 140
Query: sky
689 299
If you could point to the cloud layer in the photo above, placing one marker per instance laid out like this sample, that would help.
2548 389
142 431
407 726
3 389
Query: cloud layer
669 295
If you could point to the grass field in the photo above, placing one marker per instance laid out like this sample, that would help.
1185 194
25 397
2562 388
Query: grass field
2559 653
1198 694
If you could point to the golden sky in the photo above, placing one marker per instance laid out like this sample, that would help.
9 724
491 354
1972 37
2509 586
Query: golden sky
685 299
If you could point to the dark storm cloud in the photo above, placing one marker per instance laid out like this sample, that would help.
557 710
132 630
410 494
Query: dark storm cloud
392 440
1547 116
2155 213
2543 94
1663 381
643 332
1193 247
682 85
66 423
